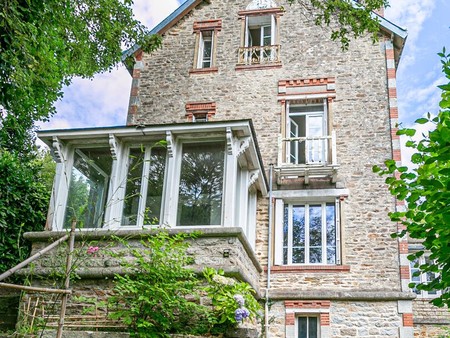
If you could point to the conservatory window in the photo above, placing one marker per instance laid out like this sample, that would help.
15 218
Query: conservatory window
88 188
200 194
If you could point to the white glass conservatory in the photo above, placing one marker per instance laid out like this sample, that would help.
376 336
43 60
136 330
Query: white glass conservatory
191 175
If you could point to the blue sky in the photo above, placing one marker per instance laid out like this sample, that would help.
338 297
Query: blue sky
103 101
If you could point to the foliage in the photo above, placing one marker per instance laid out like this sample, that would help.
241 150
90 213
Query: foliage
233 301
347 17
426 191
160 295
23 206
44 44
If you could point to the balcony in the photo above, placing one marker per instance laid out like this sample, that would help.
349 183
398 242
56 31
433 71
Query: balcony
307 157
259 55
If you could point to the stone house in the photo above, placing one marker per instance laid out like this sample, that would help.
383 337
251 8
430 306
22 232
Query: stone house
271 131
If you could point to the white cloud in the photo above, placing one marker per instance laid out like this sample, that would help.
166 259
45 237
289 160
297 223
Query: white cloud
103 101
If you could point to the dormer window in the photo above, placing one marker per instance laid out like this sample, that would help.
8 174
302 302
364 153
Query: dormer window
260 44
205 45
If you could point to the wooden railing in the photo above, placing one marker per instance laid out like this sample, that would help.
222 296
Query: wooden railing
256 55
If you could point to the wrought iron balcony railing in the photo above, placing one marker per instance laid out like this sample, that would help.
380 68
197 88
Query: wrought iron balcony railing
257 55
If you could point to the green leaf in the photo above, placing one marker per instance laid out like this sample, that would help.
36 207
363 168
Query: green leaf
421 120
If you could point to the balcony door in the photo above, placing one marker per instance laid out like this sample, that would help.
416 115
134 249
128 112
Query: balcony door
307 127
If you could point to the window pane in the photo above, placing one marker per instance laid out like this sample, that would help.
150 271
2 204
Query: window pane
285 233
133 187
331 233
201 184
298 224
303 327
155 186
312 327
298 255
315 234
88 188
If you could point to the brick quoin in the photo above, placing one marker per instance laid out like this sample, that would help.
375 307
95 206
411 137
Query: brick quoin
403 247
391 73
396 155
392 92
138 56
404 272
290 318
393 112
390 54
324 319
394 134
136 73
408 319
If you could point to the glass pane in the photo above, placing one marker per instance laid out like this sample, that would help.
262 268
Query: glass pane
201 184
298 255
267 35
315 225
207 47
285 225
133 187
88 188
331 233
303 327
298 225
285 256
155 186
315 255
312 327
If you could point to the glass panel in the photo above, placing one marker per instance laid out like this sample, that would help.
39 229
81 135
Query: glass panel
201 184
303 327
331 233
155 186
133 187
312 327
267 35
207 49
298 255
88 188
298 224
315 147
285 233
315 234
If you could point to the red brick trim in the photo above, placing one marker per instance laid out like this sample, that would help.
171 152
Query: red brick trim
404 272
390 54
307 304
309 268
306 82
403 247
256 12
408 319
290 318
324 319
200 108
255 67
208 25
204 70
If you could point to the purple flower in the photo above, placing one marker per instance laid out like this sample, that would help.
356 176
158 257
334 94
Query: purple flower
239 299
241 314
92 250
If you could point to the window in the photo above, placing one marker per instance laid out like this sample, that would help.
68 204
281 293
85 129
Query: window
201 184
310 233
259 39
422 278
205 49
144 186
205 45
308 327
307 132
88 188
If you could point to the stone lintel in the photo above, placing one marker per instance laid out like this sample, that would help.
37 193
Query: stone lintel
379 295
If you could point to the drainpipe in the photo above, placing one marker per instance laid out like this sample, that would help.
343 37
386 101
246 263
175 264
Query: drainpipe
269 254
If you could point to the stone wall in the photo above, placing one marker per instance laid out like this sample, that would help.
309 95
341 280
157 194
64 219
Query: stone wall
360 117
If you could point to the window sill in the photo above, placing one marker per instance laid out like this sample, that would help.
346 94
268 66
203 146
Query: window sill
203 70
259 66
309 268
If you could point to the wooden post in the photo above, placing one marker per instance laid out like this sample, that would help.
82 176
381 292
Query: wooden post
67 281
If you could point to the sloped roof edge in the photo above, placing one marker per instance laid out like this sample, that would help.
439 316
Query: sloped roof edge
186 6
164 25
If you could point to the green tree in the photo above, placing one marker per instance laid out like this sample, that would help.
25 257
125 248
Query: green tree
23 206
426 191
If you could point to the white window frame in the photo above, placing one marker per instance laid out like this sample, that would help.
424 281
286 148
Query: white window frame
248 41
144 186
302 197
423 279
201 49
323 145
307 315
